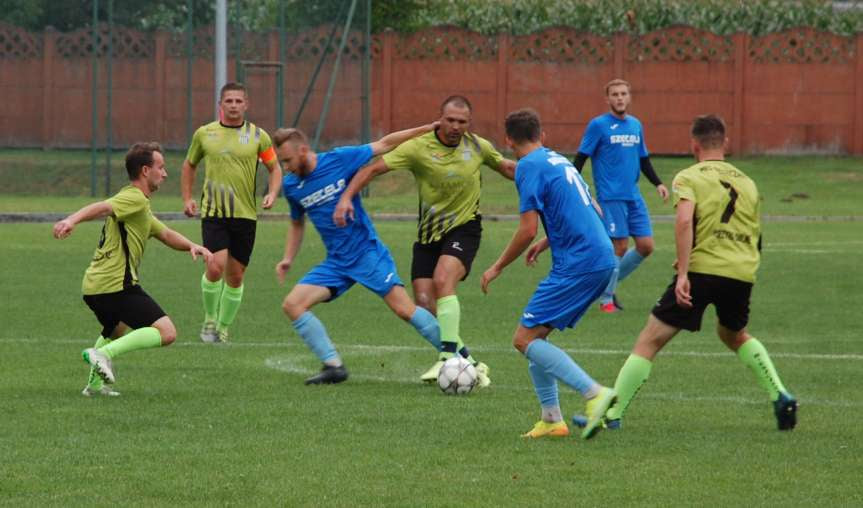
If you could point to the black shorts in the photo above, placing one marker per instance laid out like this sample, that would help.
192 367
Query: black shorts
461 242
132 306
729 296
236 235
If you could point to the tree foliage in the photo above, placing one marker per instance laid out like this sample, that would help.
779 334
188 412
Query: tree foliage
485 16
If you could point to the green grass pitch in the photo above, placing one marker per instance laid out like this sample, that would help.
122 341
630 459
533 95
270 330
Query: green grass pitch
233 425
205 425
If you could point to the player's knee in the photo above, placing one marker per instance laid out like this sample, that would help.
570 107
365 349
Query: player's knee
293 308
168 334
520 343
645 248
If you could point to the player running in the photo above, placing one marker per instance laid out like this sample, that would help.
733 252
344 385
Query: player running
354 253
615 144
446 165
718 237
552 191
130 318
230 148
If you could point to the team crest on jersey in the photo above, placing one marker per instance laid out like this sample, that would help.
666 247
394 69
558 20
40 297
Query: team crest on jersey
436 157
466 155
244 138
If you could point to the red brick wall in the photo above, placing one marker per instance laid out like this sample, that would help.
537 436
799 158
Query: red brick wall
796 90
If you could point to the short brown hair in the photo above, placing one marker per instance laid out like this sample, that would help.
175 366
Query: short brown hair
232 86
616 82
709 131
283 135
459 101
523 125
140 155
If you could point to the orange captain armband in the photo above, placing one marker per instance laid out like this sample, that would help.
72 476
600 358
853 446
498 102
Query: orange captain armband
267 155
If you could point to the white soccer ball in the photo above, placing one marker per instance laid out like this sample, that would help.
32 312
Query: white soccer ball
457 376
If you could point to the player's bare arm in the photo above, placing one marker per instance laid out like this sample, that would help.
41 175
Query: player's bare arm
179 242
526 232
683 239
344 208
293 241
275 183
394 139
506 168
187 181
98 210
534 251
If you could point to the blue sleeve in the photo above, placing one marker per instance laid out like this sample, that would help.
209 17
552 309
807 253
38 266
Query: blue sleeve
591 138
354 157
642 147
297 210
527 184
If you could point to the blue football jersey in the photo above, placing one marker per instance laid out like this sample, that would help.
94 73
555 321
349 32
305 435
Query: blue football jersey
549 184
615 148
318 193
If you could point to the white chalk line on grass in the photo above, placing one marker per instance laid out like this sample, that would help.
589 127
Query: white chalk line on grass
370 349
291 366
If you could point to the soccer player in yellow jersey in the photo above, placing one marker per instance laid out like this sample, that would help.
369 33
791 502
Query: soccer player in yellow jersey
230 148
446 165
130 318
718 239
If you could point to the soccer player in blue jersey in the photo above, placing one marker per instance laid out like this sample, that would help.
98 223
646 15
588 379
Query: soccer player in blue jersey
312 186
614 142
551 190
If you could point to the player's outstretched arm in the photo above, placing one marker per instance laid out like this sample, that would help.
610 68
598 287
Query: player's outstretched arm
394 139
683 240
292 246
187 181
98 210
344 209
275 183
179 242
506 168
525 234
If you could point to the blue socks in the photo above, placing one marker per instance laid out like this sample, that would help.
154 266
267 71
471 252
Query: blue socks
544 384
628 263
427 326
607 296
315 336
557 363
625 265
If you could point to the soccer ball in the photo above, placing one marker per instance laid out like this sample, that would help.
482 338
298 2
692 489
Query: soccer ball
457 376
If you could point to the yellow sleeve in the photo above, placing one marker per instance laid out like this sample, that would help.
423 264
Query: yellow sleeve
490 156
156 226
402 157
266 151
126 202
682 188
196 149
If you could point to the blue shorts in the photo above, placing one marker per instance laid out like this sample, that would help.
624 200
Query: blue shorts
560 301
374 269
626 218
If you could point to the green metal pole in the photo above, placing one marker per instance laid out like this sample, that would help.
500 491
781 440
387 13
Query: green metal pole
326 109
108 89
94 89
190 48
280 85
